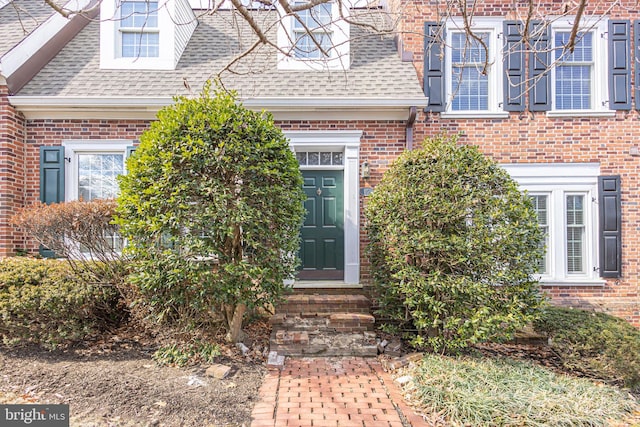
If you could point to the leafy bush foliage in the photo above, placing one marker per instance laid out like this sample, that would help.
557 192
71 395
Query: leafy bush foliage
82 232
212 206
594 344
483 392
41 301
454 246
185 354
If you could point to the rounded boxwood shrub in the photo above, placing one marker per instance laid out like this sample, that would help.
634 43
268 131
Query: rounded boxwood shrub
42 302
211 207
454 247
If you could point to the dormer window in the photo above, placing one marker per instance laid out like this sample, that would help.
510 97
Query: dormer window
139 32
312 29
144 34
316 38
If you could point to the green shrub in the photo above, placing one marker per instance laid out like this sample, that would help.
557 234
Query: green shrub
41 301
185 354
212 206
594 344
454 247
487 392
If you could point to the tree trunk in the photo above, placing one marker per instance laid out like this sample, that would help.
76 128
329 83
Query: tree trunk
235 315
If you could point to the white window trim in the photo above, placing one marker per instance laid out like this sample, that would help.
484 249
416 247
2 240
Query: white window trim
110 39
494 27
340 58
599 81
73 148
349 143
558 181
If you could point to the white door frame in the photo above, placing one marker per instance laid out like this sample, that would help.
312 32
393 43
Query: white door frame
347 141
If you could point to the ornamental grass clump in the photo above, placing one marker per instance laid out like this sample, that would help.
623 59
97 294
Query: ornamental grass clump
211 207
468 391
454 248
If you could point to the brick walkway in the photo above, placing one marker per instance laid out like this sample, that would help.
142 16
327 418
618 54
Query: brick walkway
338 392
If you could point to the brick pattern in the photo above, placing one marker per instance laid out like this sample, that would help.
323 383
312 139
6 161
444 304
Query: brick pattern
536 138
331 392
519 139
12 173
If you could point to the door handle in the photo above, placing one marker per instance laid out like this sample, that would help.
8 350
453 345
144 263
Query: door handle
318 191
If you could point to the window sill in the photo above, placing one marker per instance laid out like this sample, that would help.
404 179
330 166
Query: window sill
581 113
475 115
573 282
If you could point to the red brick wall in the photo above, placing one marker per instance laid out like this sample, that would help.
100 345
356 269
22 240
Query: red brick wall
511 140
12 173
536 138
382 141
545 140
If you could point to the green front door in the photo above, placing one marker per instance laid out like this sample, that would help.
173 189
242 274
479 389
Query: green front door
322 245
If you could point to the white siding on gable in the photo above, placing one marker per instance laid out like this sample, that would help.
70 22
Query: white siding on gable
186 24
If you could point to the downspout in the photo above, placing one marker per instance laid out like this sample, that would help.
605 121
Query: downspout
409 129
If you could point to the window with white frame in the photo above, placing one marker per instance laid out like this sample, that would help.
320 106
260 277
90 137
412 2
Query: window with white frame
579 77
312 32
92 173
475 86
564 199
316 38
139 32
144 34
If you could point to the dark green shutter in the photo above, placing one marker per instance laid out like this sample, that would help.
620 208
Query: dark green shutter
434 81
619 65
51 174
539 62
130 150
51 181
514 76
636 43
610 226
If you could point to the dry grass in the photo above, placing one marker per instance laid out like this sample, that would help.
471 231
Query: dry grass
500 392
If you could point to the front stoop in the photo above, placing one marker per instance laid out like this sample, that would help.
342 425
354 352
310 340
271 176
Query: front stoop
324 325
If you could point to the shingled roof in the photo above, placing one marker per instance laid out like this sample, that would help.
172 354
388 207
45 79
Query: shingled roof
18 18
376 69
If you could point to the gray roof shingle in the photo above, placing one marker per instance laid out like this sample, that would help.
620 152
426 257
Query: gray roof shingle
376 70
18 18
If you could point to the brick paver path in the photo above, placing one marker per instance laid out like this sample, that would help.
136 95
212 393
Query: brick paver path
337 392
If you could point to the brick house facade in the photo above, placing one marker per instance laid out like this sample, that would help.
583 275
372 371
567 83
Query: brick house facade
378 107
603 137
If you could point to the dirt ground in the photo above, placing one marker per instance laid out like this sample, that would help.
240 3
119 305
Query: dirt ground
115 382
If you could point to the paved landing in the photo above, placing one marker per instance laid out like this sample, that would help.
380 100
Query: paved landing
337 392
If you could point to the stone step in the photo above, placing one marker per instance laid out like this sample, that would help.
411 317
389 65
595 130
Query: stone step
304 343
333 322
305 304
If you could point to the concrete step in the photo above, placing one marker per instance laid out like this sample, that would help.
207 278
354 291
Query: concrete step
304 304
304 343
336 322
